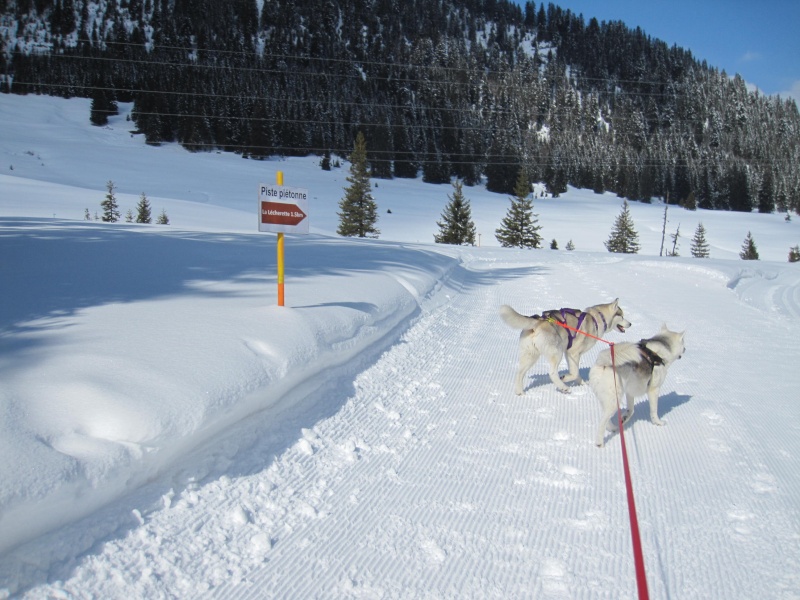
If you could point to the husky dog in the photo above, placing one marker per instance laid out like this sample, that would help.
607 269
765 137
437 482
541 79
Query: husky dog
542 336
641 368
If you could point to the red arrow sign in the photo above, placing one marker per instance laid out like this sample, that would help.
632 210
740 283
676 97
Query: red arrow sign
278 213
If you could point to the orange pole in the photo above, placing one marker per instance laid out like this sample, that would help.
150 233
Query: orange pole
281 297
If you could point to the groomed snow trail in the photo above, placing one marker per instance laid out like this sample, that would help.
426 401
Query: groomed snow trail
426 477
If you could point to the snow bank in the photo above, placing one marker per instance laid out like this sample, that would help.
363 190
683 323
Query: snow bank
122 347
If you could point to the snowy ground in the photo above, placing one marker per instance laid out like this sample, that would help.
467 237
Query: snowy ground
167 431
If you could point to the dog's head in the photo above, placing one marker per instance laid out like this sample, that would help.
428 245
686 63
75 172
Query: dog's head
617 320
674 340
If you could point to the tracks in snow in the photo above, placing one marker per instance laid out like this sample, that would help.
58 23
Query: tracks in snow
424 476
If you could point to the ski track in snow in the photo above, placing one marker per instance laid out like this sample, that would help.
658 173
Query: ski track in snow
417 473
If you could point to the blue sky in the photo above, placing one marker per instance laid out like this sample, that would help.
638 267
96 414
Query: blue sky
760 40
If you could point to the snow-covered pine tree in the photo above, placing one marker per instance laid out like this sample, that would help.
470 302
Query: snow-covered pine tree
570 246
749 250
519 227
143 214
623 238
110 206
456 226
794 254
699 244
359 212
163 219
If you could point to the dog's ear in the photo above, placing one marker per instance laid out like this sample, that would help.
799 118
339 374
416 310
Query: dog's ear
615 303
664 327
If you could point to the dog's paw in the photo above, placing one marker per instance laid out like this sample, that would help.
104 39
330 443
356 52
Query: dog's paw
564 390
600 443
657 421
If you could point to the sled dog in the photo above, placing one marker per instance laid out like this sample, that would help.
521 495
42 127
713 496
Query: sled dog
641 368
542 336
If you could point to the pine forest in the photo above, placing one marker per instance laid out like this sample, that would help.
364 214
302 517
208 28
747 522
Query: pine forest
476 90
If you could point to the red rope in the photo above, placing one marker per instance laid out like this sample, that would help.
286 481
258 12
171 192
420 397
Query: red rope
638 555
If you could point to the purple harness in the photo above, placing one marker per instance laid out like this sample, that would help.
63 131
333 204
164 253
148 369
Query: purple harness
561 316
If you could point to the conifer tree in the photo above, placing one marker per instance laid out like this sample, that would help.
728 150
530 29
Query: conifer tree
519 228
456 226
699 244
163 219
623 238
749 250
110 207
570 246
359 212
143 214
794 254
554 244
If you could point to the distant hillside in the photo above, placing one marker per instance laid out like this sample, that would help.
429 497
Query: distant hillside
464 88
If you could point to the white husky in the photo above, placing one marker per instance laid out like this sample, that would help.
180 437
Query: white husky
641 368
542 336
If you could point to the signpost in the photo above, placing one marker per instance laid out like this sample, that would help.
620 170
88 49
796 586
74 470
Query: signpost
282 210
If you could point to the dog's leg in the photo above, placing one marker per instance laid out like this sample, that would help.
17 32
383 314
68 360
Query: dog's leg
628 412
609 395
605 422
652 396
527 358
573 364
553 357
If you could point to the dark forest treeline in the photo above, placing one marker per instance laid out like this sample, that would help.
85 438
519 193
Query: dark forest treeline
464 88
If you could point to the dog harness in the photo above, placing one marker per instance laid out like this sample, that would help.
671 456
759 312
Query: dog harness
653 359
561 317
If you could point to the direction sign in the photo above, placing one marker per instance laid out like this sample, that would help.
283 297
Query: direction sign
282 209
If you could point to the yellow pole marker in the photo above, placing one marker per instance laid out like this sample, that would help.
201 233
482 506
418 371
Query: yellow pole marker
279 181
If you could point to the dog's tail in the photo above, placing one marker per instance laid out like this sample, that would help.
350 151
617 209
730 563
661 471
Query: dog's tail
513 319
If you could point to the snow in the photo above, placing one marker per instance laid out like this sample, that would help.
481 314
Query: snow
167 430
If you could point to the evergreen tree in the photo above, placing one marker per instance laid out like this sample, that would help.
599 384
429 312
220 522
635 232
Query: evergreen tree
163 219
570 246
554 244
143 210
623 238
87 216
691 202
519 228
110 206
749 250
456 226
794 254
359 212
129 216
699 244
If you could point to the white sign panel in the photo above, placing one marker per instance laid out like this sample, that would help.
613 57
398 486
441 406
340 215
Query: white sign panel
282 209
